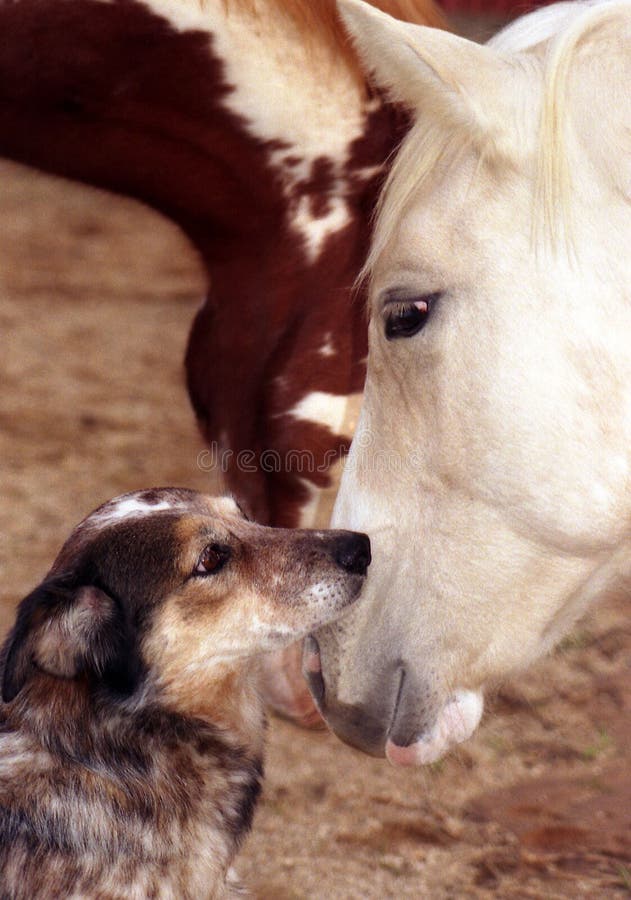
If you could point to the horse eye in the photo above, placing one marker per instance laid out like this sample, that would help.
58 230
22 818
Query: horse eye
212 558
406 317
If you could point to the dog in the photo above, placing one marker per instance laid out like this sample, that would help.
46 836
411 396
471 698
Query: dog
131 730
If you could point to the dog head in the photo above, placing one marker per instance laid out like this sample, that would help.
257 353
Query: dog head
172 582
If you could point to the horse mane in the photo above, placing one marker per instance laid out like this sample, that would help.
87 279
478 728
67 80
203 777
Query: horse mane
554 184
318 20
440 139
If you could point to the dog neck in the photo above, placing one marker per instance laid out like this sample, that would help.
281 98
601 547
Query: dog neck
229 701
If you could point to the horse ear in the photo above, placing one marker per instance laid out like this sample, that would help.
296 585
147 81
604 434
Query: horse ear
426 69
64 632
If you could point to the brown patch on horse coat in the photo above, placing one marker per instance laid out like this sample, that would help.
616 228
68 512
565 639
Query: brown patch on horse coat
114 95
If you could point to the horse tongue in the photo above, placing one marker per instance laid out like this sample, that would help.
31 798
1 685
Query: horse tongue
284 689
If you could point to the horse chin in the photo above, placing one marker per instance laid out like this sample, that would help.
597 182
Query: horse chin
455 723
398 717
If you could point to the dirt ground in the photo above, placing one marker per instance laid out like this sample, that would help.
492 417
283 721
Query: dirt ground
96 297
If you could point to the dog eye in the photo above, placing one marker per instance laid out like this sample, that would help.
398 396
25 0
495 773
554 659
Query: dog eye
212 558
405 318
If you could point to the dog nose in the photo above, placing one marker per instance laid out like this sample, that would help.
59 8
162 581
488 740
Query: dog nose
352 553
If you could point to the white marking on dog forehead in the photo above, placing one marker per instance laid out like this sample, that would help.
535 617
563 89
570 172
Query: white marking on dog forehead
132 507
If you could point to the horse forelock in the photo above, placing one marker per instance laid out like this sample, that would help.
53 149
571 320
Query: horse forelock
440 139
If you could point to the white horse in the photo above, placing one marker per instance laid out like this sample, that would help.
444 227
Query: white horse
492 461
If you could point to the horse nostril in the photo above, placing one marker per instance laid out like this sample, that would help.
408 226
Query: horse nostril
352 553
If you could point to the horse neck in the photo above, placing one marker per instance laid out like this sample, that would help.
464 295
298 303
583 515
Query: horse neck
210 118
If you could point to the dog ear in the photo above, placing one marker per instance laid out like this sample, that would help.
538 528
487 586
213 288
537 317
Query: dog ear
67 631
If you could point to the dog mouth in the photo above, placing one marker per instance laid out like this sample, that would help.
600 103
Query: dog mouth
321 604
332 601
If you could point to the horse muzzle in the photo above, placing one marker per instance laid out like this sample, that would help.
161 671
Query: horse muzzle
396 717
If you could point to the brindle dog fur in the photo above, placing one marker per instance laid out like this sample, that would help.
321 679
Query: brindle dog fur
131 729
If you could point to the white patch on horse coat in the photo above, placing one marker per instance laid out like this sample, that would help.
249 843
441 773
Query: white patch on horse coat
323 409
314 115
182 15
327 348
320 115
317 109
309 509
316 229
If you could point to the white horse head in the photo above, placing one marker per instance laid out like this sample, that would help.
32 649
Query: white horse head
491 465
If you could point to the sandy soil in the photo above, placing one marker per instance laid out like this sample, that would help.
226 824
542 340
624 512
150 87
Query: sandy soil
96 295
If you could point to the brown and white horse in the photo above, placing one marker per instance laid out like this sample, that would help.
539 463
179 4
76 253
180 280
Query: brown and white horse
249 124
491 465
